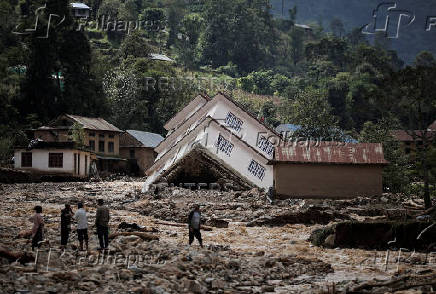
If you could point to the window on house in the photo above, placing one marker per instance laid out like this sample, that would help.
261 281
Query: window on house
132 153
233 122
101 146
92 134
110 147
26 159
265 145
256 169
224 145
111 136
92 145
101 136
56 160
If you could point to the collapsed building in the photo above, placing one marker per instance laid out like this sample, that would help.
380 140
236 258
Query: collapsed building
216 141
213 140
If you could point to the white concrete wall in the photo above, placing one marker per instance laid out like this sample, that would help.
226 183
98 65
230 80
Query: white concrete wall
251 129
207 134
40 160
240 157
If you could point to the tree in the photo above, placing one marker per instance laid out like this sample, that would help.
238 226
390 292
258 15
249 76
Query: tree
135 45
238 31
355 37
418 109
328 48
78 134
155 21
337 27
268 113
425 59
296 44
310 109
395 174
191 26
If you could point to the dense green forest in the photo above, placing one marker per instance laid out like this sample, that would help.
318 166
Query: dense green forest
331 81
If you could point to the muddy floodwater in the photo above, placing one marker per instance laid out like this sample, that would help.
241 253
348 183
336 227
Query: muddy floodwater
236 258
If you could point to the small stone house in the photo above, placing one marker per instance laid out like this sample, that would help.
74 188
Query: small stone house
138 148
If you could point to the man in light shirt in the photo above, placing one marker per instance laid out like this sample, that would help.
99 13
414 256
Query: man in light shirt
82 226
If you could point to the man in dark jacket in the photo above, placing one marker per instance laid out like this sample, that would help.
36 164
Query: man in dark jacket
102 224
66 215
194 221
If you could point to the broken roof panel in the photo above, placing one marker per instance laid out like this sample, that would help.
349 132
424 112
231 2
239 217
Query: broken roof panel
91 123
160 57
80 5
330 153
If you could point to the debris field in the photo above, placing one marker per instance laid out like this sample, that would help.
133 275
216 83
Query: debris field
252 244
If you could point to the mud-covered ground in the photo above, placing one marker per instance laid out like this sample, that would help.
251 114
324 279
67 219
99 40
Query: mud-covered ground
255 246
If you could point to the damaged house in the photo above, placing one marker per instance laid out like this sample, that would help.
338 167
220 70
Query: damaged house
214 140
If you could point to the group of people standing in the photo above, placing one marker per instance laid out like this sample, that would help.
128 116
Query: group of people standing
81 218
101 223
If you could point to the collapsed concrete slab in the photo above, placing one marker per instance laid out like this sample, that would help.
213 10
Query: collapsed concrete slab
202 169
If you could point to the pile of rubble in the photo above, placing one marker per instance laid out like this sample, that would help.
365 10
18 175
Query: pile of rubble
253 244
257 209
135 265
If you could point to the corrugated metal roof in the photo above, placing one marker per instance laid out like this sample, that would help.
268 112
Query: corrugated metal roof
161 57
290 128
331 153
303 26
80 5
91 123
147 139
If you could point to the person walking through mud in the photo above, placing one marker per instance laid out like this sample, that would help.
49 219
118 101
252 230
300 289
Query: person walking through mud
38 227
66 215
194 221
102 224
82 226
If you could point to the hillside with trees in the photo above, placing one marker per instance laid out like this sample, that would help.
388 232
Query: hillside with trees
332 82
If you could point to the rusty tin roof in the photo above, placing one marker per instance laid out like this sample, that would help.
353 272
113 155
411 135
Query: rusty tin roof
330 153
